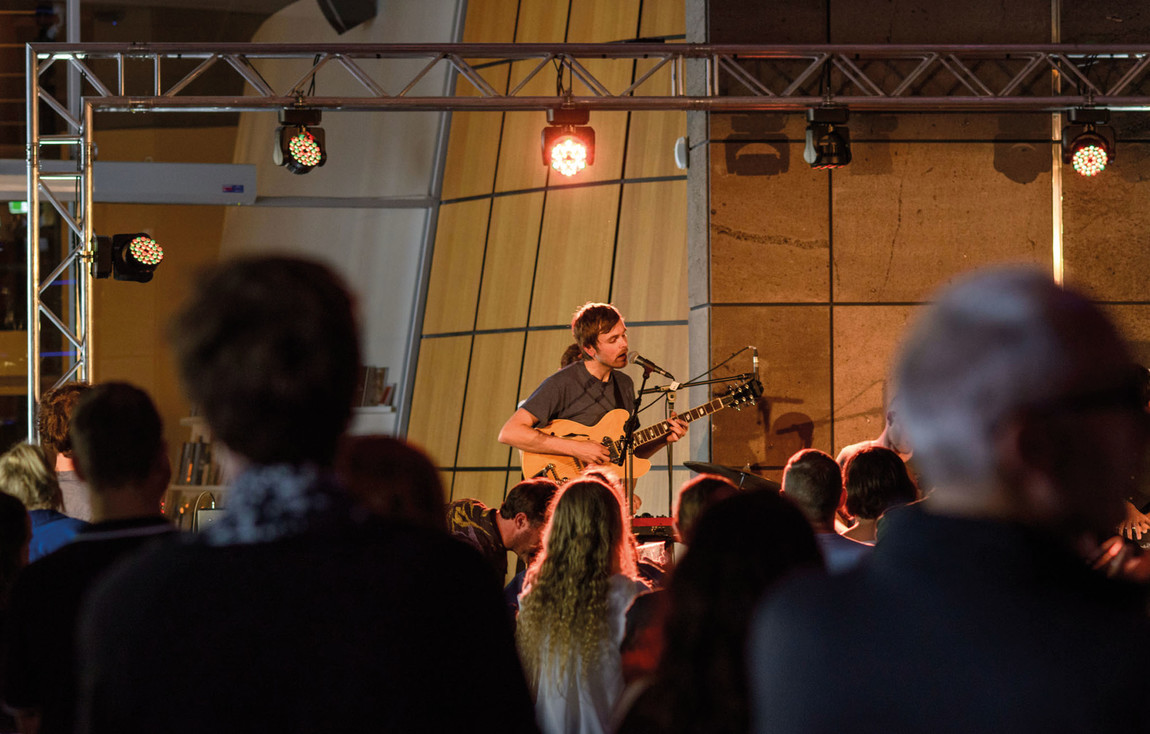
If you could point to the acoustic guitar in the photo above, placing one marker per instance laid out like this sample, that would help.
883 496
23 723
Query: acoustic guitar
609 432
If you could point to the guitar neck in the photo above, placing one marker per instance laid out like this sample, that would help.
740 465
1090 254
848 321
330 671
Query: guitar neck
662 428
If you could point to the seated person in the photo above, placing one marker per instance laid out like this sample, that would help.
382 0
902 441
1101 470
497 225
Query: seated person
876 480
25 474
812 481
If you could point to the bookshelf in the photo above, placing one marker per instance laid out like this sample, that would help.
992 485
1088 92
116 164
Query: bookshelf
196 483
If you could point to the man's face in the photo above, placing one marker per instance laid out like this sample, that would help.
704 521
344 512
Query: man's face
528 537
611 347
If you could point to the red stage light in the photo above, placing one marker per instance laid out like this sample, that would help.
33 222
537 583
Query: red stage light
568 143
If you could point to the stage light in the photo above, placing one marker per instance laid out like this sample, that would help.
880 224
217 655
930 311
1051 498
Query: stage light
828 139
132 257
299 141
1088 142
568 142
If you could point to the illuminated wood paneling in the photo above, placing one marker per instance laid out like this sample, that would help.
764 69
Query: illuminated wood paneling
663 19
455 267
473 145
491 398
542 22
541 357
491 21
651 143
575 252
486 486
651 261
520 155
510 265
437 400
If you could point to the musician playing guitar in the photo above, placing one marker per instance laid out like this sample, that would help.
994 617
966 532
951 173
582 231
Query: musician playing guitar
583 392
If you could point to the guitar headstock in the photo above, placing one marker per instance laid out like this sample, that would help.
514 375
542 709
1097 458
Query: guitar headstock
743 394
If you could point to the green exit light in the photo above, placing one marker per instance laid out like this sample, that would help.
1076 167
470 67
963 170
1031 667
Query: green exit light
17 207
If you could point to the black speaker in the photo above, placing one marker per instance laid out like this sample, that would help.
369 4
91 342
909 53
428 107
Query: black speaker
343 15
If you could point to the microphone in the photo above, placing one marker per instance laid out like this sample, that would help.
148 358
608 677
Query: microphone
648 365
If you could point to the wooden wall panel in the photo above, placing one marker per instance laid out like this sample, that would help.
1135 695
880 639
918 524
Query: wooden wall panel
490 21
437 400
491 398
509 269
541 357
485 486
455 267
651 261
542 22
575 252
473 144
663 19
596 21
521 151
866 340
666 346
651 142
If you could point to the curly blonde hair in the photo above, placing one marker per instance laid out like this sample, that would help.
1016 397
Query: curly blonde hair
26 475
563 611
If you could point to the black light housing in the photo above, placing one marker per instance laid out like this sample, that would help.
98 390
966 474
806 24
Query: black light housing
1088 142
828 139
299 141
568 142
132 257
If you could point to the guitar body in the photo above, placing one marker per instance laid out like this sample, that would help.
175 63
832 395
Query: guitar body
608 432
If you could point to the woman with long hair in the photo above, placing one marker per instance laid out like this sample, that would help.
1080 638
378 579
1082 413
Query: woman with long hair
741 546
571 614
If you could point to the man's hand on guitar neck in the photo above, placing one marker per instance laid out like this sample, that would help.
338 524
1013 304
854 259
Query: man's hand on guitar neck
678 429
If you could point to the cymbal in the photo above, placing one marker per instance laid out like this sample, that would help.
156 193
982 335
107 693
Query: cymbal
743 479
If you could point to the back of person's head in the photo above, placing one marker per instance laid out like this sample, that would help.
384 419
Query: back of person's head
696 495
591 320
532 497
564 602
814 482
742 545
1009 350
392 479
269 347
15 533
117 436
54 414
876 479
571 355
25 474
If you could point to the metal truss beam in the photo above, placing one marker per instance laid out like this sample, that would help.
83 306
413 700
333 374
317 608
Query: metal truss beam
724 78
736 77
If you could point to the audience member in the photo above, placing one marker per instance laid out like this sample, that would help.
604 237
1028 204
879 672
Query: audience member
26 475
742 545
572 610
119 451
296 611
696 495
976 611
813 481
642 644
876 480
52 419
516 526
392 478
15 533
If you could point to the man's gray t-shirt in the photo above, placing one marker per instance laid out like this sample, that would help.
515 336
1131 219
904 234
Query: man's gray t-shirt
575 394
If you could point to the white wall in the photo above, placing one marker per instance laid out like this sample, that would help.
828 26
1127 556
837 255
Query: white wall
380 251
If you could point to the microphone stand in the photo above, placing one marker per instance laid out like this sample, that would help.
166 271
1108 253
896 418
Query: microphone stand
629 429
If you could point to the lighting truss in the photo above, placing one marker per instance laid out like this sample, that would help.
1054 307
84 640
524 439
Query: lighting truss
700 77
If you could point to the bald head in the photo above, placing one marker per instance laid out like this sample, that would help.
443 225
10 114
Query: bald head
1008 350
